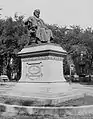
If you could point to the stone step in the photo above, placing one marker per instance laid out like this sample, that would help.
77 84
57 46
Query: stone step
49 95
54 95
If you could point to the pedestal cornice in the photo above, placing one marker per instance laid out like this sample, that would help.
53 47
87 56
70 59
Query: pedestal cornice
42 50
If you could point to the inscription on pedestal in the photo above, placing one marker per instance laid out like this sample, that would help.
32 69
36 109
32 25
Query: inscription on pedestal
46 90
34 70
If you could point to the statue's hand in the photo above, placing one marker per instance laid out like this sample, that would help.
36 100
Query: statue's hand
33 29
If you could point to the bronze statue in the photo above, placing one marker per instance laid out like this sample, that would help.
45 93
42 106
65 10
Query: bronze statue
37 29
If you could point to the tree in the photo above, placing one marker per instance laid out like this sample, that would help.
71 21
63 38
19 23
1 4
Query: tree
13 37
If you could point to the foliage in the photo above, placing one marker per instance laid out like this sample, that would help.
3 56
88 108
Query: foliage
75 40
13 37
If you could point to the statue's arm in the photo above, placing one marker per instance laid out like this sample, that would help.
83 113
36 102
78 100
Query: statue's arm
30 22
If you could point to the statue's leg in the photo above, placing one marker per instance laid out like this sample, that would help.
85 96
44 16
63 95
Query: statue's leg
43 35
49 35
38 34
37 41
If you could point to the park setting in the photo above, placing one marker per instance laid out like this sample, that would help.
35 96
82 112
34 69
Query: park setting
46 69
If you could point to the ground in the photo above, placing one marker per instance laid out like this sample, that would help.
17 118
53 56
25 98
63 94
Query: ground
84 89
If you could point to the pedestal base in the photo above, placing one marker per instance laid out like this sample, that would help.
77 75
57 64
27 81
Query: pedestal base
40 90
41 94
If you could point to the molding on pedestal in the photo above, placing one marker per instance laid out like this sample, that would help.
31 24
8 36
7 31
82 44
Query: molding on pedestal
43 58
43 53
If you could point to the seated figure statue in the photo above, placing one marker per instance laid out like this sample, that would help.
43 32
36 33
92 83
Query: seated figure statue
37 28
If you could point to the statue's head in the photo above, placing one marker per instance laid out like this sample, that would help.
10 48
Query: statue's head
36 13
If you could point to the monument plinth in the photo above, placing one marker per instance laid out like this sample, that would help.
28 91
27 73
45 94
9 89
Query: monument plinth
42 63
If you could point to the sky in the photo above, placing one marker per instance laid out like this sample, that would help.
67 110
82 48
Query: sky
60 12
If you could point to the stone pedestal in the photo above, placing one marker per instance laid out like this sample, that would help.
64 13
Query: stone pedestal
42 72
42 63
